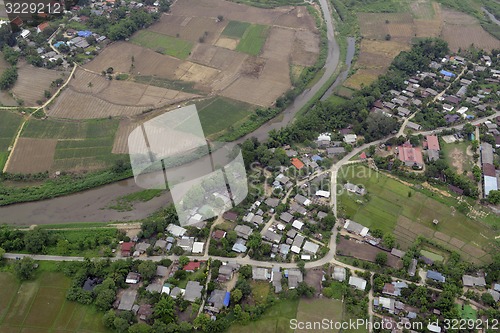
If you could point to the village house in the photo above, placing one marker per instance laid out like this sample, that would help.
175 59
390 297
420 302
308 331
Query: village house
410 156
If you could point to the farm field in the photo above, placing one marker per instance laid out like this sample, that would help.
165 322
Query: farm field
391 209
403 21
9 124
221 53
163 44
80 146
351 248
32 156
461 30
41 306
253 39
217 114
33 81
316 310
235 29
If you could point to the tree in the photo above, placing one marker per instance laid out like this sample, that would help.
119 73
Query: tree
246 271
164 310
236 295
468 129
24 268
2 252
140 328
301 264
8 78
105 299
35 240
254 241
487 299
389 240
220 18
494 197
388 37
381 258
183 261
303 289
147 269
121 325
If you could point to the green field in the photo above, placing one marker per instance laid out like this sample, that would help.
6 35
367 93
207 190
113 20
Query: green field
388 204
275 319
235 29
41 306
219 113
253 39
431 255
316 310
163 44
467 312
81 145
9 124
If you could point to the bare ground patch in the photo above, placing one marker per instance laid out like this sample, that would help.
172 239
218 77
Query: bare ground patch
32 156
461 30
33 81
279 44
364 251
228 43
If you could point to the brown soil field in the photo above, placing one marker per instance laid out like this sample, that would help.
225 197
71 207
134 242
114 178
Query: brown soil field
200 74
286 16
255 91
75 105
82 79
120 145
253 66
228 43
374 26
33 81
279 44
276 71
364 251
428 21
461 30
305 48
189 28
146 62
32 156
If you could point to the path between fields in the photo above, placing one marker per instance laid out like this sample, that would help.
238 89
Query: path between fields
32 113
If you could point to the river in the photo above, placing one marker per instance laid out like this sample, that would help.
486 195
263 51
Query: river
93 205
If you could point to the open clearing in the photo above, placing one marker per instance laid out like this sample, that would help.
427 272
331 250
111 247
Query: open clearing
163 44
461 30
9 124
317 309
80 145
41 306
33 81
392 210
32 156
456 155
363 251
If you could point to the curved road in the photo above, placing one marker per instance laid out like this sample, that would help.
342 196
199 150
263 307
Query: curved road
92 205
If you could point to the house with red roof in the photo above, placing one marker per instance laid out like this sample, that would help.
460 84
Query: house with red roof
362 156
432 146
192 266
297 163
126 248
410 156
42 26
18 22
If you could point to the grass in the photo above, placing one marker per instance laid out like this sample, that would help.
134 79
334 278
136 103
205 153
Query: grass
235 29
260 290
381 6
275 319
317 309
388 200
467 312
163 44
9 124
41 306
432 255
466 160
220 113
253 39
80 144
125 203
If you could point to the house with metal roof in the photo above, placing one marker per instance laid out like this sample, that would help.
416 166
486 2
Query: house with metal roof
260 273
436 276
310 247
473 281
339 273
193 291
356 228
243 231
357 282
